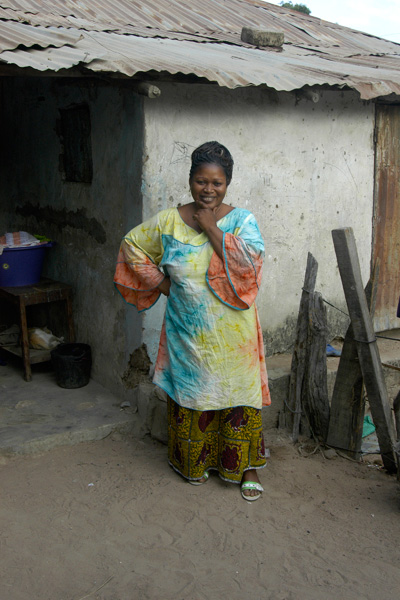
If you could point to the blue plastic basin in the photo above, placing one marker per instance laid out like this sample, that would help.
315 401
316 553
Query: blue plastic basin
22 266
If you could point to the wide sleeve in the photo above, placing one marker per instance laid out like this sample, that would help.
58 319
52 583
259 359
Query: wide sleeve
137 275
236 278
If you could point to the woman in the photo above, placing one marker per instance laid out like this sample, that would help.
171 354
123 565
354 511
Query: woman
206 256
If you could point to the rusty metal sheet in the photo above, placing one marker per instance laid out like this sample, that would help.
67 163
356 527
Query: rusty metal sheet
129 55
13 35
203 39
226 65
49 59
163 14
8 15
386 232
169 16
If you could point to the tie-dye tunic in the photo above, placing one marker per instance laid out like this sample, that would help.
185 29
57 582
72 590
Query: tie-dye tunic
211 352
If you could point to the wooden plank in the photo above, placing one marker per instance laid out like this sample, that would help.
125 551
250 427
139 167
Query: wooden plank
315 402
45 291
396 409
35 356
367 347
347 406
298 367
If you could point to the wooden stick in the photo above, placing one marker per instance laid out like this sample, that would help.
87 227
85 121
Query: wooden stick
390 366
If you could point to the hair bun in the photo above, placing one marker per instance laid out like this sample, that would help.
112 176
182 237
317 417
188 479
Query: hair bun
212 153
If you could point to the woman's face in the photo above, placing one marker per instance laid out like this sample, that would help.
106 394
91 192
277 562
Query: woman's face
208 186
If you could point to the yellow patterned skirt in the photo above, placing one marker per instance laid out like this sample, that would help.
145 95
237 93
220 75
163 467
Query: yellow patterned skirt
229 441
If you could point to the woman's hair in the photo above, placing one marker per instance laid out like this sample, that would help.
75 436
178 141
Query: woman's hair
212 153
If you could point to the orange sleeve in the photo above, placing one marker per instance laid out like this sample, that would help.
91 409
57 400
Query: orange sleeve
236 278
137 275
138 284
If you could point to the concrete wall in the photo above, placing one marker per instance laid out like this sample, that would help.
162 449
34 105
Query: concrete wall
87 221
303 168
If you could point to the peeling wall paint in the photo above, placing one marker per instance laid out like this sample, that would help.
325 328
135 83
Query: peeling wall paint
62 218
138 369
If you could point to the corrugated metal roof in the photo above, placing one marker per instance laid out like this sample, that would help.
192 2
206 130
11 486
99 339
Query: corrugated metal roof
201 38
53 59
168 16
13 35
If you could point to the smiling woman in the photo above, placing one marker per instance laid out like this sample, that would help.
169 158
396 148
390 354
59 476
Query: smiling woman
208 186
207 258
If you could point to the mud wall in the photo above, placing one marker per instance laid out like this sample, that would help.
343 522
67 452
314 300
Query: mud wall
71 170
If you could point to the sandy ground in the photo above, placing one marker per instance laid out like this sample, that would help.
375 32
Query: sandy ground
110 520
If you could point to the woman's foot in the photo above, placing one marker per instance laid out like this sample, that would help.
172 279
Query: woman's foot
251 492
200 481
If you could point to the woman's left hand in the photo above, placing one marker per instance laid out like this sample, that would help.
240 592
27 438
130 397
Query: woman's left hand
165 286
207 220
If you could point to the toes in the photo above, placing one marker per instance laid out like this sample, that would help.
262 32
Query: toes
250 492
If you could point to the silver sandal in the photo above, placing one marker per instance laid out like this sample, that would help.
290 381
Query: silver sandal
249 486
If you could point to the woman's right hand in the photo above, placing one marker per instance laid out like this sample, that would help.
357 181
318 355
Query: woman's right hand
164 286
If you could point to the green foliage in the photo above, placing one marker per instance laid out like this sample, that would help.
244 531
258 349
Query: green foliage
299 7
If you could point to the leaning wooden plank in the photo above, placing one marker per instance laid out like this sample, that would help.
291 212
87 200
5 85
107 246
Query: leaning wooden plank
396 409
300 348
367 348
315 400
347 406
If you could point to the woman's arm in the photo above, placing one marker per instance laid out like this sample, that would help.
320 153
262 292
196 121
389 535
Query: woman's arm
137 276
236 276
207 219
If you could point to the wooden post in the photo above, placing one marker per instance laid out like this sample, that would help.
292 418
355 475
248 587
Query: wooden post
25 340
367 348
347 406
300 348
396 408
315 402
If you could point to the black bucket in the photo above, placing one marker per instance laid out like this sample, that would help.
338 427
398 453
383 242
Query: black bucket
72 364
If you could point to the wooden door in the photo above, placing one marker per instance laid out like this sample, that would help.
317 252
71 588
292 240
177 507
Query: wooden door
386 222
